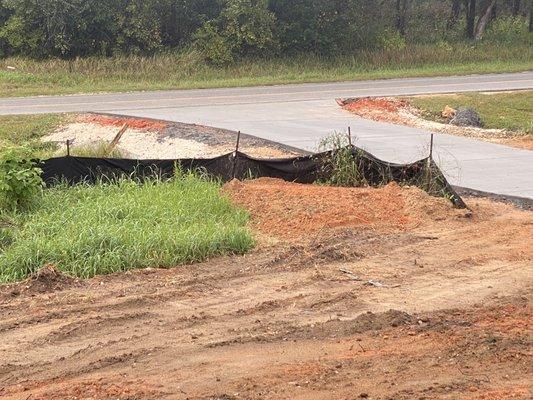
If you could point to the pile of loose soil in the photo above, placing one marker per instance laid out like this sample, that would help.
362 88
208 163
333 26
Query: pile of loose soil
46 280
290 210
401 112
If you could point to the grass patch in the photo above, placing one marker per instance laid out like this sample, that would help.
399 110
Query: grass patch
512 111
99 150
27 130
187 70
92 230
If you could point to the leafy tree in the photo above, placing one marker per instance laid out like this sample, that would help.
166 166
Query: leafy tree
243 28
227 30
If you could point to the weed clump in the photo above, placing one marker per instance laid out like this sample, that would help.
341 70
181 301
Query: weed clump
20 178
340 167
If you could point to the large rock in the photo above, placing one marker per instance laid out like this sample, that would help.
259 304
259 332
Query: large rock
466 116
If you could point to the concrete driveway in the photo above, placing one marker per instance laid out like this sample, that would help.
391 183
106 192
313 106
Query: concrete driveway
299 115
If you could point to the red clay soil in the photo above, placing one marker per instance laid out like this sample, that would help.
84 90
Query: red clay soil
290 210
376 103
135 123
382 109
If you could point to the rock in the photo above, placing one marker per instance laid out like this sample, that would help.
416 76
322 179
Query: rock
448 112
466 116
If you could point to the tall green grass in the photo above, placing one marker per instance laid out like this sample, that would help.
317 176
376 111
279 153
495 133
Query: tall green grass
90 230
187 70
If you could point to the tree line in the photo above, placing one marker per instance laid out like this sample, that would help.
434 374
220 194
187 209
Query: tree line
226 30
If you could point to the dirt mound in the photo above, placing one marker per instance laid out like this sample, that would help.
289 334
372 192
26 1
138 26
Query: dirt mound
385 109
376 103
290 210
291 321
47 279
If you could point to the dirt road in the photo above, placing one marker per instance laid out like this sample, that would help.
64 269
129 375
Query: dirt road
447 315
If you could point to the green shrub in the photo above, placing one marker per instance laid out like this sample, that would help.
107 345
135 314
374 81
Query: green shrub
20 179
508 30
244 28
215 48
341 168
391 40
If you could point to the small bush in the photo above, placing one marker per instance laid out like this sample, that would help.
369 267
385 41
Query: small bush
509 30
215 48
391 40
244 28
341 167
20 179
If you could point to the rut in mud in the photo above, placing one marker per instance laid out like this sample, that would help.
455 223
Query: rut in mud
434 307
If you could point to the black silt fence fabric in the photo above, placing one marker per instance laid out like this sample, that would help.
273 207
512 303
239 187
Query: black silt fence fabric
306 169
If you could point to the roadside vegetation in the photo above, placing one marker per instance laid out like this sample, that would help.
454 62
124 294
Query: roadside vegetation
51 47
90 230
189 71
27 130
512 111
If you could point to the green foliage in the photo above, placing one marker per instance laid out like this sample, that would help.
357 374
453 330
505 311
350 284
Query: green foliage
20 179
89 230
391 40
214 47
509 30
244 28
341 167
229 30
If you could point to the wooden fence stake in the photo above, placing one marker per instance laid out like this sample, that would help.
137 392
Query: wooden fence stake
117 138
350 136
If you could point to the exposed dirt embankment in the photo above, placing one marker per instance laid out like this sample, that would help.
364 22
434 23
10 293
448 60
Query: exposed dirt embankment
290 210
357 293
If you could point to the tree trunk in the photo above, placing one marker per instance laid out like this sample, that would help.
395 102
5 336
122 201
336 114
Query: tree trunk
401 16
454 15
483 21
531 16
516 7
470 17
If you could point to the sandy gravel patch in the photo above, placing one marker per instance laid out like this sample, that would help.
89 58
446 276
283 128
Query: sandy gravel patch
151 139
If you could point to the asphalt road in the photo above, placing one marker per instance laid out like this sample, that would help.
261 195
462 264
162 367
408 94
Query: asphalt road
299 115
